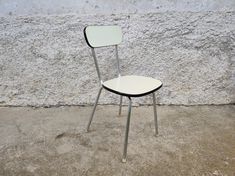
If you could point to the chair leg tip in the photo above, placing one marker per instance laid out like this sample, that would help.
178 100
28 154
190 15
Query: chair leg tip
124 160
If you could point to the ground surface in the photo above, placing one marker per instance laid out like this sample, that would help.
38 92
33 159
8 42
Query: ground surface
196 140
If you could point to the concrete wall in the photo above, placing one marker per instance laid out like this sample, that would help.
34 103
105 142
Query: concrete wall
189 45
47 7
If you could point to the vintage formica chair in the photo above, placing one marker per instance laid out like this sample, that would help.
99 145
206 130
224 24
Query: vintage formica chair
128 86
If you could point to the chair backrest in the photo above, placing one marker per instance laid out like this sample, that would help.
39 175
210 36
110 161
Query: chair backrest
99 36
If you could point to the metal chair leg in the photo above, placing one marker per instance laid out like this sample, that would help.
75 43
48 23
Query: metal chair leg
155 114
93 111
120 106
127 132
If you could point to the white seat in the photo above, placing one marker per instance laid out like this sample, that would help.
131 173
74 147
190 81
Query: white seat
132 86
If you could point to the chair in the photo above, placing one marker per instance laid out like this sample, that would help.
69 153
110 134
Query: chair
128 86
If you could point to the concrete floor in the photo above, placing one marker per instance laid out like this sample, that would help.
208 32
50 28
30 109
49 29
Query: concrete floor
196 140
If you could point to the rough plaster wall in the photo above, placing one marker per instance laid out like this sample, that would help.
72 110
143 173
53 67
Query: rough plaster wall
55 7
45 61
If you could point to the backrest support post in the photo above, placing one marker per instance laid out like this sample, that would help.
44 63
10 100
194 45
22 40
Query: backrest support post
102 36
96 64
118 65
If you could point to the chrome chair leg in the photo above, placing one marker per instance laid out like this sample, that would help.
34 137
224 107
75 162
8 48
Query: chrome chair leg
155 114
127 132
93 111
120 106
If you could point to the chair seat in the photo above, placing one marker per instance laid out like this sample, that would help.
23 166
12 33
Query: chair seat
132 86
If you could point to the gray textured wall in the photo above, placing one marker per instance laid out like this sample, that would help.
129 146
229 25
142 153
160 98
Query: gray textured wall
55 7
45 61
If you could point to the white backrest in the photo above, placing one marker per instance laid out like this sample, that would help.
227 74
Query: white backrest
99 36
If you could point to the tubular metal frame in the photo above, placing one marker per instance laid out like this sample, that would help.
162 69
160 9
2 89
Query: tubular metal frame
155 114
120 105
96 64
127 131
94 108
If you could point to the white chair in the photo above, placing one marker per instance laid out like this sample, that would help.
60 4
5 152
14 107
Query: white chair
129 86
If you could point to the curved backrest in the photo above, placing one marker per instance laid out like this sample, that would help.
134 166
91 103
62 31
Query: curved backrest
99 36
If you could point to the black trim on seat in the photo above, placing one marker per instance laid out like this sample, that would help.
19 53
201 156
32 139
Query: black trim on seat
131 95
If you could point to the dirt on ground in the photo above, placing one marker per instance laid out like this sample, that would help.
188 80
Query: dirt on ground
194 140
